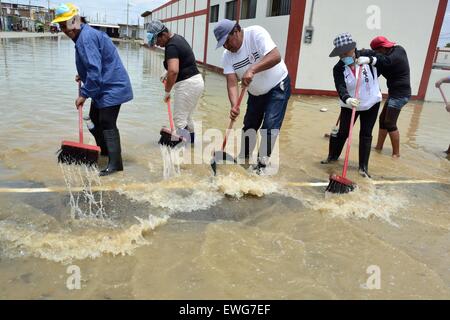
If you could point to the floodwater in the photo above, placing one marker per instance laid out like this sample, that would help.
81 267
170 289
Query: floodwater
195 236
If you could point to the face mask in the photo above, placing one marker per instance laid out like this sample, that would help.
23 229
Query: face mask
151 39
348 60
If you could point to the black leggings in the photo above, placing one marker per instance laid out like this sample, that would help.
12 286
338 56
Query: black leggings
388 118
368 119
104 118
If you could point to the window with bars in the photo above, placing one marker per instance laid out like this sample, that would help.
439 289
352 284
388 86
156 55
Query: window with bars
279 8
214 14
230 10
248 9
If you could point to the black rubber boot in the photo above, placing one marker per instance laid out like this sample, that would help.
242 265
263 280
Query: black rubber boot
365 144
334 150
99 140
112 141
259 168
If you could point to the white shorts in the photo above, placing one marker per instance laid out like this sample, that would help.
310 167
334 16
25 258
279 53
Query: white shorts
186 96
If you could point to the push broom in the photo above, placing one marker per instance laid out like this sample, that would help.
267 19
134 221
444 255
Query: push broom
78 153
168 136
221 157
340 184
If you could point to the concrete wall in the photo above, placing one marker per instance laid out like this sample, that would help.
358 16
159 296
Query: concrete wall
193 28
397 23
365 19
199 37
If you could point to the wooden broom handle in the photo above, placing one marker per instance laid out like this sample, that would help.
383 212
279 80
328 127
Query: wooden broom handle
230 126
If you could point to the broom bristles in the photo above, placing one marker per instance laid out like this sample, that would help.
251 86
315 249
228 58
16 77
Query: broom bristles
169 139
77 155
340 185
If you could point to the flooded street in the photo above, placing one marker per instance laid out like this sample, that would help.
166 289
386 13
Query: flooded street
195 236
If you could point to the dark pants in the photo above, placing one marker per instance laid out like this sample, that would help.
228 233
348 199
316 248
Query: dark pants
104 118
390 113
368 119
269 110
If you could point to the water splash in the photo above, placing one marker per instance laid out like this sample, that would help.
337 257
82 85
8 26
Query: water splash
238 185
365 202
172 158
85 204
189 193
65 246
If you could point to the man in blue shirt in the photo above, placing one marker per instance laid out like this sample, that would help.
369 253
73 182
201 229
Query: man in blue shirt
104 78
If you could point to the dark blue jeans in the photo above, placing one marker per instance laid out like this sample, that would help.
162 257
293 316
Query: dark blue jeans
269 110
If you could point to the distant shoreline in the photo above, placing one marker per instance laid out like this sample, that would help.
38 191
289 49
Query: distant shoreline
20 35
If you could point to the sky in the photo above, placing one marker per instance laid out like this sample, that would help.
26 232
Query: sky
110 11
115 11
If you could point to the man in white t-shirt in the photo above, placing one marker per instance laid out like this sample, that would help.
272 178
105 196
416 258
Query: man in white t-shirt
252 57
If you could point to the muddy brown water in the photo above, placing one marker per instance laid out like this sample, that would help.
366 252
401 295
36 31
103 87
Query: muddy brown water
195 236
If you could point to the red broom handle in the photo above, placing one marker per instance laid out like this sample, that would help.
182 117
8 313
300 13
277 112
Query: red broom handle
80 116
349 142
169 110
230 126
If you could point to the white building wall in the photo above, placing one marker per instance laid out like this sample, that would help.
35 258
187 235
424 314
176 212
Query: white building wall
181 27
399 20
175 9
188 36
200 5
189 6
182 7
276 26
199 37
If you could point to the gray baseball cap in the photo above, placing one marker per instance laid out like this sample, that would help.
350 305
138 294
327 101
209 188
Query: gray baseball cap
155 27
222 30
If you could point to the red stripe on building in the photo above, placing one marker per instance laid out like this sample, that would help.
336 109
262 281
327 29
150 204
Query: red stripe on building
165 5
187 15
208 5
294 40
432 48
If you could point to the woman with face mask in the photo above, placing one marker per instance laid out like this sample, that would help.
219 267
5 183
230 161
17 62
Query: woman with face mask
345 74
